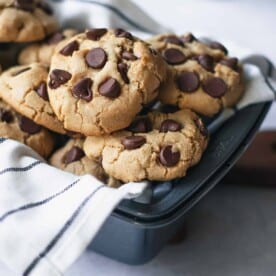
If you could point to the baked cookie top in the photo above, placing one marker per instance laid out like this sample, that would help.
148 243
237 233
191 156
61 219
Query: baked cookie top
22 129
25 89
99 80
187 44
201 76
71 158
43 51
158 146
25 20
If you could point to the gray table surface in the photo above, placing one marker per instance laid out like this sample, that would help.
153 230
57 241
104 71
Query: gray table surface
232 230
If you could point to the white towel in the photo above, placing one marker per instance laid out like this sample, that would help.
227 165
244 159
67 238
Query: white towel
48 217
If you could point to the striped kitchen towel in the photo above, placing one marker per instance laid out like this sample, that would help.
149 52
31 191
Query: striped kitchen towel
48 217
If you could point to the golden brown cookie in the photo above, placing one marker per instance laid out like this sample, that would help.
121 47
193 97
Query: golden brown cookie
22 129
25 89
158 146
25 20
71 158
43 51
201 77
188 44
99 80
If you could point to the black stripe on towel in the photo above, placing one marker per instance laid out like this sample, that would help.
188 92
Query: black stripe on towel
24 169
39 203
2 140
117 12
59 235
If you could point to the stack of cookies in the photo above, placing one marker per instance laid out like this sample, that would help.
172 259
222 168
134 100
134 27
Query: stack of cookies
125 109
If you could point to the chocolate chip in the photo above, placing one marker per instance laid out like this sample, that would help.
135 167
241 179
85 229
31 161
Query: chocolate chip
170 125
142 125
128 55
188 81
133 142
26 5
58 77
45 7
188 38
70 48
122 68
6 116
83 90
168 157
28 125
20 71
215 87
73 155
173 40
110 88
203 130
95 34
206 61
230 62
169 108
55 38
217 45
174 56
42 91
123 33
96 58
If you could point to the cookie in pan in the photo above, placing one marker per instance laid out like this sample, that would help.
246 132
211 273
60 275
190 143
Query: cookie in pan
25 89
71 158
158 146
43 51
22 129
24 21
187 44
99 80
201 76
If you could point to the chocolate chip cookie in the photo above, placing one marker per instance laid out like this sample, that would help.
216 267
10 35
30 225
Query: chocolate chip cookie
25 20
201 76
170 46
158 146
22 129
99 80
25 89
71 158
43 51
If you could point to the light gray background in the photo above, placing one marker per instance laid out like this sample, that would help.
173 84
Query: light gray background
233 230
